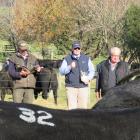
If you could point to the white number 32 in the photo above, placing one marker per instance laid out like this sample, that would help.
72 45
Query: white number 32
28 115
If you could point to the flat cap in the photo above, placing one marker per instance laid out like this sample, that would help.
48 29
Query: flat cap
22 45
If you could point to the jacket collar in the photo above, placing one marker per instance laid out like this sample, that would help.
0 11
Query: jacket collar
107 64
21 56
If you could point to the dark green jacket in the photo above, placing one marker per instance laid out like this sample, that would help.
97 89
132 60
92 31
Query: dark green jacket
16 61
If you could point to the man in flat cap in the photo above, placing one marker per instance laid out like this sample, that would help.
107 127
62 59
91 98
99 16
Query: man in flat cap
78 70
24 81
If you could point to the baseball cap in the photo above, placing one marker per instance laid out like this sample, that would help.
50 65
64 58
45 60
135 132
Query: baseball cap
76 44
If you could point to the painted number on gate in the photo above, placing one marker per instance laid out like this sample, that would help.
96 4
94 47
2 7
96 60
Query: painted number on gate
28 115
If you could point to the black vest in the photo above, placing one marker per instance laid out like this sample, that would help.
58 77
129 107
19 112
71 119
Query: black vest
73 79
121 71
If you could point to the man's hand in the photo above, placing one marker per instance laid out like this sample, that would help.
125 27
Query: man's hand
98 96
73 65
24 73
84 79
38 68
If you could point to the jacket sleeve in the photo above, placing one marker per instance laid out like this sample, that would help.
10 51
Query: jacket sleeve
127 68
97 87
12 71
64 68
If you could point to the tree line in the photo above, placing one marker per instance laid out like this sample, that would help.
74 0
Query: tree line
97 24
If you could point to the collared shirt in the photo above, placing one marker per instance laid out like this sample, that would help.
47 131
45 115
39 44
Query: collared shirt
112 66
76 56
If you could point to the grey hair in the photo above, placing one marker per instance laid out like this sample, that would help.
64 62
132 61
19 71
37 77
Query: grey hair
115 50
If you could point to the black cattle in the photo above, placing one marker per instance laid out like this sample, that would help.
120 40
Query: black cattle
47 80
124 95
6 84
29 122
50 63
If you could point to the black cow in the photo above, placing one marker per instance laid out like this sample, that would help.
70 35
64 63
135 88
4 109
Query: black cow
6 84
50 63
29 122
47 78
124 95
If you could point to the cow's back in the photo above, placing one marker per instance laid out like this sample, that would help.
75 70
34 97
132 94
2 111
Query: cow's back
123 96
29 122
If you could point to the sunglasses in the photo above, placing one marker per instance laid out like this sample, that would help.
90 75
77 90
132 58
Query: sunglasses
76 48
23 50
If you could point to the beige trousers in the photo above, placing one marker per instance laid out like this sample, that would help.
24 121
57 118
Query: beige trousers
77 97
23 95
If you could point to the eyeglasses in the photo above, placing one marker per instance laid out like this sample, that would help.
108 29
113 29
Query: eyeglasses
76 48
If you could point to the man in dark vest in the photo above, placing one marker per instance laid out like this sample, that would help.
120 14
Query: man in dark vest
78 70
110 72
24 81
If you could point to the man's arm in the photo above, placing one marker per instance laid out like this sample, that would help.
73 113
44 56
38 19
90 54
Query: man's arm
127 68
98 88
24 72
64 68
12 71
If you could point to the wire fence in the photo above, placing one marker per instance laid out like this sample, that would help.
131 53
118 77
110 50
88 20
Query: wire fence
61 92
